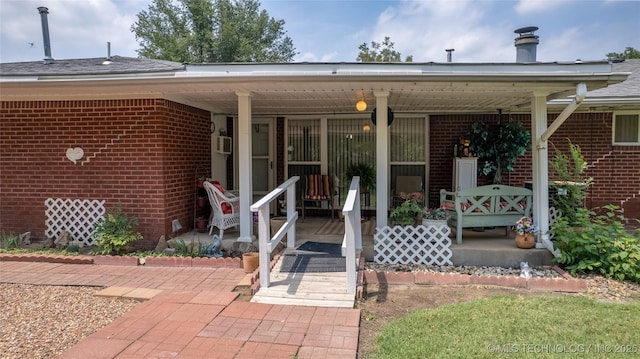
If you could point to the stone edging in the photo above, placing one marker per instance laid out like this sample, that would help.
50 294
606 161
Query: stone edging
564 284
125 260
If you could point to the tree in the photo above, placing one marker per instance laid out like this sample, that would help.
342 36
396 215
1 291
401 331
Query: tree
629 53
380 52
197 31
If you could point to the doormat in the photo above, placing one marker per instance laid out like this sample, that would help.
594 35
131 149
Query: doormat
315 257
337 227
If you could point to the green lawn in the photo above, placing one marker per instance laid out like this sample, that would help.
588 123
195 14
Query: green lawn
515 327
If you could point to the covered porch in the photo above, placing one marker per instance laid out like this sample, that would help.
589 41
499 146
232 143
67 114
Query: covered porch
486 248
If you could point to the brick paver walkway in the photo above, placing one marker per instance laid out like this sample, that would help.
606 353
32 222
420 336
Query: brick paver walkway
192 313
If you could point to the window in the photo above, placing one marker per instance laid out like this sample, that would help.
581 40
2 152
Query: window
626 128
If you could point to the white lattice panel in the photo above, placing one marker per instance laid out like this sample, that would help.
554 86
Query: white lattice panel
553 217
428 245
75 216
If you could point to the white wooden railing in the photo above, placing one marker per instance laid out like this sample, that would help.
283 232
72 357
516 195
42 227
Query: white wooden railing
352 241
266 243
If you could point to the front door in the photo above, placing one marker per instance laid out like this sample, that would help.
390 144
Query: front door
262 157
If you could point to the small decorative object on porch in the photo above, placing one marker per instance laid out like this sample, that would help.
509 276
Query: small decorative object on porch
525 230
435 216
525 271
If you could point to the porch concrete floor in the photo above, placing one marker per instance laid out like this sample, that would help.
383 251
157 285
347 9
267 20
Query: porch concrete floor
487 248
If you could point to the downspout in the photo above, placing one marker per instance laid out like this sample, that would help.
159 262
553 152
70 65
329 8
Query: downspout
581 93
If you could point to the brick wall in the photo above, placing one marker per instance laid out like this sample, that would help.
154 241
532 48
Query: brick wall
143 154
615 169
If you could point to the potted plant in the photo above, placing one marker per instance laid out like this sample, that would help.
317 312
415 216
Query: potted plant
525 231
367 174
407 214
201 224
435 216
570 184
499 147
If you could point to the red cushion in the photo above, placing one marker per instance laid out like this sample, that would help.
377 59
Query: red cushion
224 206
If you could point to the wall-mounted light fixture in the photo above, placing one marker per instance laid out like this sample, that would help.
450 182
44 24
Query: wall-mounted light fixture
366 127
361 105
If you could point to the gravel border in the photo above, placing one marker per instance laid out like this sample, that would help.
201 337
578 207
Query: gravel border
44 321
536 272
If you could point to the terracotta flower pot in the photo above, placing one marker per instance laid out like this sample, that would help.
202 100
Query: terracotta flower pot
525 241
250 261
201 224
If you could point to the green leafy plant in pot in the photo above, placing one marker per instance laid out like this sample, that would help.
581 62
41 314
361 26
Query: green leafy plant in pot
407 214
367 174
499 146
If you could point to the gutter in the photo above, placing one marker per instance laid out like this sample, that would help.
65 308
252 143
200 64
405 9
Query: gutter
581 92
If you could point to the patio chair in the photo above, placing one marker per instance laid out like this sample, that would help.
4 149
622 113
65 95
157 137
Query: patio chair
225 207
317 189
407 187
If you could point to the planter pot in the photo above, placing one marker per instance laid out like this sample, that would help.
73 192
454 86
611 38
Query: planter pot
525 241
434 222
201 225
250 261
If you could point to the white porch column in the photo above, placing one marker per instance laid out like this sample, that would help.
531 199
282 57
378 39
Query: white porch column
382 158
245 174
540 168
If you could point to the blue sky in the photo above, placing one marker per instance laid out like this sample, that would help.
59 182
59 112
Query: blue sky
331 31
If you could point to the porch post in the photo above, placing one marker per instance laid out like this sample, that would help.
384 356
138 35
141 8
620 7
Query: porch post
244 169
382 157
540 175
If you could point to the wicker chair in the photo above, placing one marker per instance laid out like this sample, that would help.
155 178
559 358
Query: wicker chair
225 206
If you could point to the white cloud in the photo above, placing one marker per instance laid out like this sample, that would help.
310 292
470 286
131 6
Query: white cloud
77 29
536 6
425 29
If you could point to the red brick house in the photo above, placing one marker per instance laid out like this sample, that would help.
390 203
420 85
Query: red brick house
147 129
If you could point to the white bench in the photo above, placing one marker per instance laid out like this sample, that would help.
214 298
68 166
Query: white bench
486 206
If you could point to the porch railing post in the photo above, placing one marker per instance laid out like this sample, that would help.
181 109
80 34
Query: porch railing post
263 234
291 206
266 243
352 232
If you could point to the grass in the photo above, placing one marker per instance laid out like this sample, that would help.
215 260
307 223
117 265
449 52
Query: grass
515 327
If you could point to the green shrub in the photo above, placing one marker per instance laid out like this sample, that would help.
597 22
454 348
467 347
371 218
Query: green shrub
604 246
72 248
115 232
9 240
570 183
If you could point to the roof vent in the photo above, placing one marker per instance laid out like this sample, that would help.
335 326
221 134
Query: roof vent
108 61
526 44
45 35
449 51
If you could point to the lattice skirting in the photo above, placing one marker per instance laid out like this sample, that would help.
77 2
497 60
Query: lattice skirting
428 245
75 216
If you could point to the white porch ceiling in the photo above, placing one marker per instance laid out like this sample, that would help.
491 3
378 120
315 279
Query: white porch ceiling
279 92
